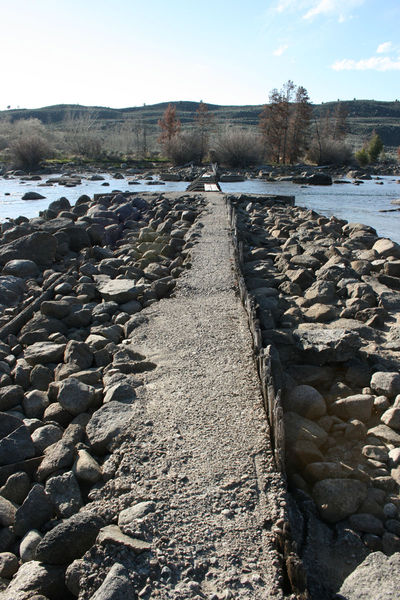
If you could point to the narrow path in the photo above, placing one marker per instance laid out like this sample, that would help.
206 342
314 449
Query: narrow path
213 469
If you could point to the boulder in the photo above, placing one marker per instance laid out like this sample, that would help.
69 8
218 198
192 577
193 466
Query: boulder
7 512
385 383
337 499
28 545
376 577
45 436
8 564
385 247
86 468
40 247
78 354
32 196
35 578
16 488
119 290
106 424
36 510
44 352
75 396
11 290
10 396
21 268
320 345
116 586
358 406
306 401
299 428
70 539
391 418
15 440
64 493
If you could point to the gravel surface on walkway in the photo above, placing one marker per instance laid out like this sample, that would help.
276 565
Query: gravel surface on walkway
218 487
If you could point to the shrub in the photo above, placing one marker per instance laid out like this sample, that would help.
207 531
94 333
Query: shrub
375 147
362 157
27 152
184 148
238 148
330 152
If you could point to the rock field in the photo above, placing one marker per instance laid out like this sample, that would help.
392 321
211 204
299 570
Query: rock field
135 454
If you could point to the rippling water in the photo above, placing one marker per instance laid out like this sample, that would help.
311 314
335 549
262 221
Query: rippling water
354 203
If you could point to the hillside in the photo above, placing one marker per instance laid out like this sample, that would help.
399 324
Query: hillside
364 116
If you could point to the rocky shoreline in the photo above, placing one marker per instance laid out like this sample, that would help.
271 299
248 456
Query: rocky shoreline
326 297
73 284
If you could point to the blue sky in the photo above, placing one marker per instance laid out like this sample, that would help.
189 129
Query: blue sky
129 52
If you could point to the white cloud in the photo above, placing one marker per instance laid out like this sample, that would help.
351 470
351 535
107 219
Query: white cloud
339 8
375 63
383 48
285 5
279 51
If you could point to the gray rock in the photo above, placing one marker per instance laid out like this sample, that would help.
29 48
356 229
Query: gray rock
70 539
320 346
384 383
79 354
11 290
7 539
299 428
7 512
119 290
391 418
16 488
337 499
116 585
61 454
75 396
45 436
358 406
113 535
376 577
366 523
86 468
40 377
44 352
385 247
10 396
58 309
33 196
63 491
306 401
35 578
386 434
106 424
8 564
21 268
35 403
36 510
128 517
15 440
40 247
28 545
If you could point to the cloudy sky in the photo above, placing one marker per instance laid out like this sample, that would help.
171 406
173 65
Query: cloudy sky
129 52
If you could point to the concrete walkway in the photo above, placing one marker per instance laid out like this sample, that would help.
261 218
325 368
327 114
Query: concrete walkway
210 465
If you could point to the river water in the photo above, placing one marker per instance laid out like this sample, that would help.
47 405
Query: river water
355 203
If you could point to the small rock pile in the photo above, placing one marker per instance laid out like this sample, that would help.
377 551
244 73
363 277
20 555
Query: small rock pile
72 286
